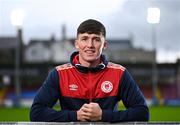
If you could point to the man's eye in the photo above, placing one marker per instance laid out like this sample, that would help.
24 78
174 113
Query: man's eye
97 40
83 39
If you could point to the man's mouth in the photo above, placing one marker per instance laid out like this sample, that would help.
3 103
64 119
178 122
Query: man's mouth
90 51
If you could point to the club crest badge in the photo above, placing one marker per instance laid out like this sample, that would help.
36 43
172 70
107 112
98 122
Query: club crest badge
106 86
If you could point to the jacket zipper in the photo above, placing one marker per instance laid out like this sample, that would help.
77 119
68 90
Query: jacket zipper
90 86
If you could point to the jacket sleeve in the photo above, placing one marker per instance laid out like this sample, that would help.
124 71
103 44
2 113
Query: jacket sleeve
134 101
46 98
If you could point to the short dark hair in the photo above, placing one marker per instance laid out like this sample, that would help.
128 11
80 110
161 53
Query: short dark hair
91 26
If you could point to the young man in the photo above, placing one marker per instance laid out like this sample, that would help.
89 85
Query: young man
89 87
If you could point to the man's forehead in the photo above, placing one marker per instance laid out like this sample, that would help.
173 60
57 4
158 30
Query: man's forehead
89 35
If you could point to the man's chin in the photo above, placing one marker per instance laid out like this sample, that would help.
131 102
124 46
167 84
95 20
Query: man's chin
91 59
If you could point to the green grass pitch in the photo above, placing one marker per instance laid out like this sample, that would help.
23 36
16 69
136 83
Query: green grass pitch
158 113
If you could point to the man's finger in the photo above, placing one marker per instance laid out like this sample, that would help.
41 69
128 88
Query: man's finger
86 105
86 109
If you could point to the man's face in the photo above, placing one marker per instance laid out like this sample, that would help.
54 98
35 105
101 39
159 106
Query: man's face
90 46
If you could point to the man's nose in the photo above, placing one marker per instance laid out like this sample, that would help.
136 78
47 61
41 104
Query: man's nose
90 43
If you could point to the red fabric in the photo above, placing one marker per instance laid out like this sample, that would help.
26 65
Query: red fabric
76 59
89 85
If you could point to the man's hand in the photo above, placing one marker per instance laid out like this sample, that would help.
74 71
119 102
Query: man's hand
81 115
89 112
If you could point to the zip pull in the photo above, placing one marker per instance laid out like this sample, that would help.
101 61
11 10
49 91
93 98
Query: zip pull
90 100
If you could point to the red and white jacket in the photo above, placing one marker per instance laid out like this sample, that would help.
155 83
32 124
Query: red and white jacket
73 85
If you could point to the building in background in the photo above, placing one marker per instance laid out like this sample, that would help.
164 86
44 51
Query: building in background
123 51
7 49
55 51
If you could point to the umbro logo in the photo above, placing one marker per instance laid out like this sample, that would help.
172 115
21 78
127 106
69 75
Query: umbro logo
73 87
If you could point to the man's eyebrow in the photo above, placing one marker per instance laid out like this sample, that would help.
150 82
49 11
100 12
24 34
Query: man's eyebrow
84 36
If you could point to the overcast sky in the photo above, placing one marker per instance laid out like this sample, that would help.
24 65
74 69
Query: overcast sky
122 18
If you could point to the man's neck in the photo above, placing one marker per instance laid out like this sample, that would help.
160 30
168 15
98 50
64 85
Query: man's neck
89 64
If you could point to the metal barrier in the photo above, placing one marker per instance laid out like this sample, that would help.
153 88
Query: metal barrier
89 123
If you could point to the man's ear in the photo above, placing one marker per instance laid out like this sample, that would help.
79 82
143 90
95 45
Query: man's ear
105 45
76 44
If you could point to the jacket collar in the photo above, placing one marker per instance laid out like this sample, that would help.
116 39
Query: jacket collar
75 62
